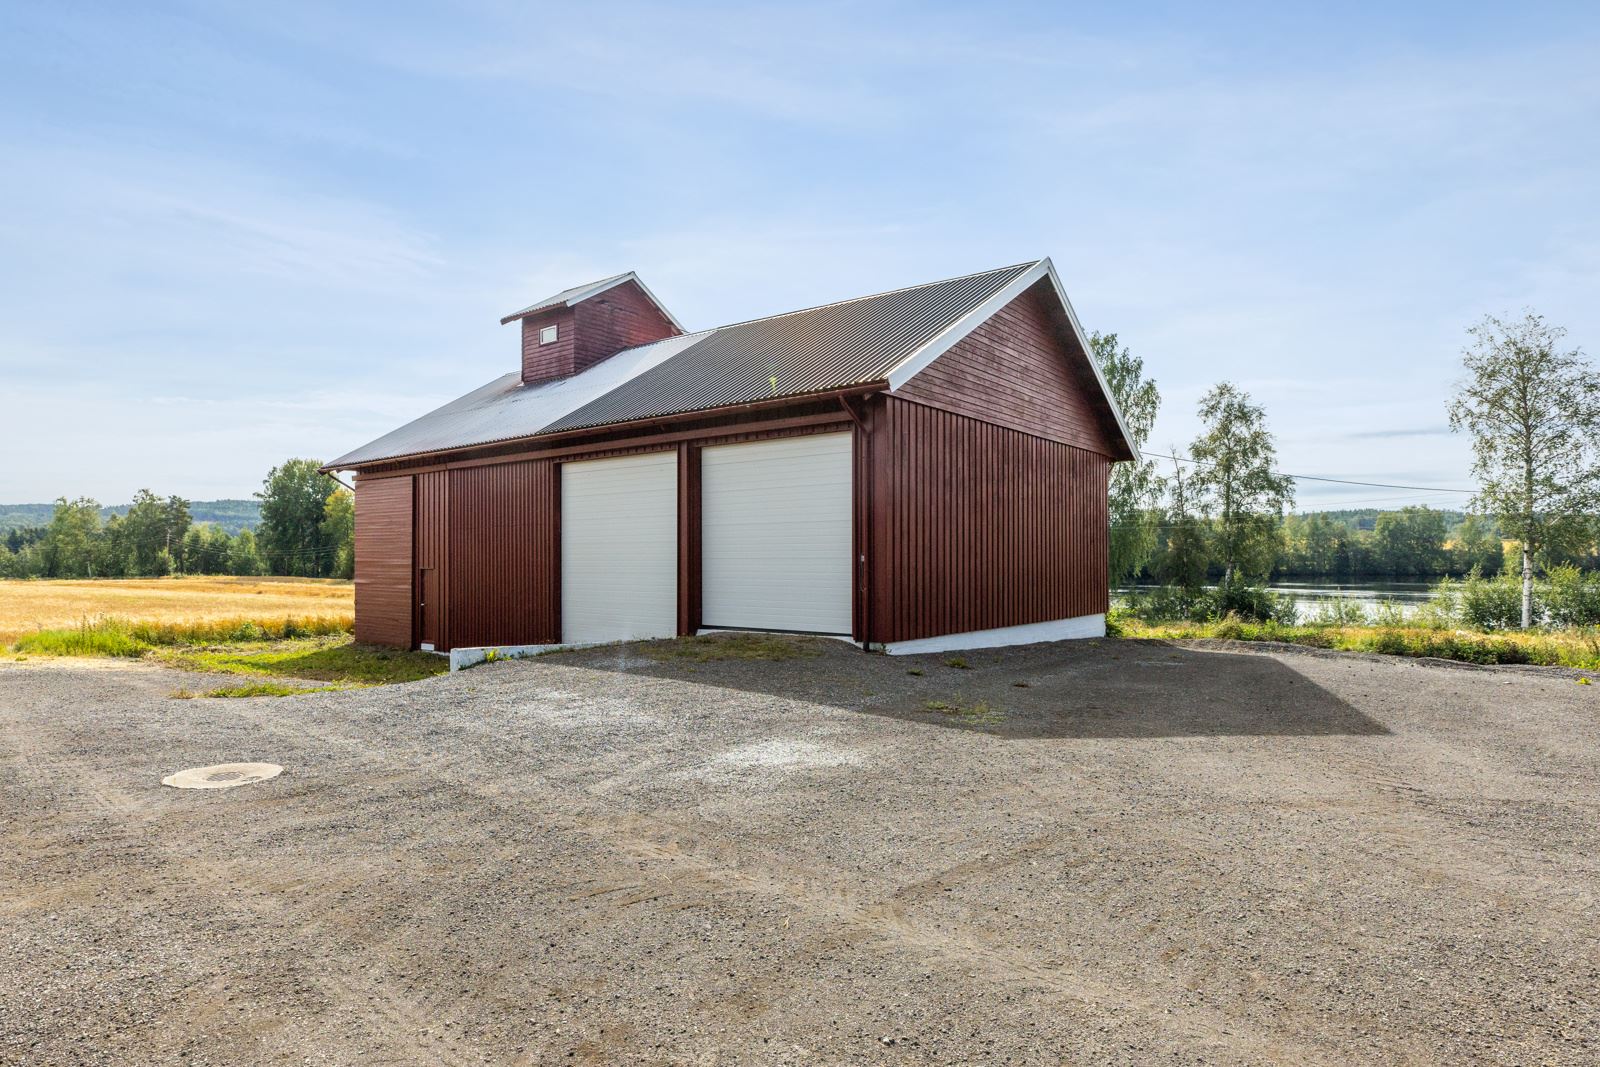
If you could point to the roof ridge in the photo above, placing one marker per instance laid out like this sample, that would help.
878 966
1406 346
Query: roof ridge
564 296
869 296
836 303
597 281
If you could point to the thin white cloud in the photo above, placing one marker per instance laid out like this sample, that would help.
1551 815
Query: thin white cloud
301 203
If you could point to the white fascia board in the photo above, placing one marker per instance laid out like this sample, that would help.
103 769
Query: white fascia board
1088 353
1074 629
950 337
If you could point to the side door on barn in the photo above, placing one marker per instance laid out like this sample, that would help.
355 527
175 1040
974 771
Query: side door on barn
432 609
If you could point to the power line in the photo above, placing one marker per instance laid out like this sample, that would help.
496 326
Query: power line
1320 478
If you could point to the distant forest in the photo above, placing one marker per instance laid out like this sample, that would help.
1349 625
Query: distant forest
301 524
229 516
1359 520
1356 543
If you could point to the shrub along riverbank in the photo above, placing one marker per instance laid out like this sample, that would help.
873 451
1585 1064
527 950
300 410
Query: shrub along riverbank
1473 620
1560 648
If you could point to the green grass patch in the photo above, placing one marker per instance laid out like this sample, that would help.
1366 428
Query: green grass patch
325 659
1564 648
318 649
83 641
709 647
254 689
978 714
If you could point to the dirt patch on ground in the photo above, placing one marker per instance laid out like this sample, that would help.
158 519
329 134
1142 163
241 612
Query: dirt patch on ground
1144 853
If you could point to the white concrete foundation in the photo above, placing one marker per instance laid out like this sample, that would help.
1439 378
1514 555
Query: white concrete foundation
468 657
1033 633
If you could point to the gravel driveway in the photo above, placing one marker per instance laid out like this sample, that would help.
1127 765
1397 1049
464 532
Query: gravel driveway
1149 854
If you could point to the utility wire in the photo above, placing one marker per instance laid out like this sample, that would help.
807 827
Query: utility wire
1320 478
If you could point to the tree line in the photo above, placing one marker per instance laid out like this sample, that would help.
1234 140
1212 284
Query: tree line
1403 544
1412 542
1213 525
307 529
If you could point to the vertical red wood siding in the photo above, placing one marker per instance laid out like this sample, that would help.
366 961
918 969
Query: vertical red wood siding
976 526
590 331
961 525
542 363
504 559
383 561
620 317
492 534
433 550
688 539
861 520
1022 368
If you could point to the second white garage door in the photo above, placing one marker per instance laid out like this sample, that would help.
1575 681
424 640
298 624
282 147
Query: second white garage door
775 535
619 548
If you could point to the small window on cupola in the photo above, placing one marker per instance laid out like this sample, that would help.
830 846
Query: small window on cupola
547 336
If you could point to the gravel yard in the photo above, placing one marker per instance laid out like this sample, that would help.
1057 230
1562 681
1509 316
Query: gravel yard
1145 853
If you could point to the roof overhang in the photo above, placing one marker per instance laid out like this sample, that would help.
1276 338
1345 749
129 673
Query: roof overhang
951 336
590 291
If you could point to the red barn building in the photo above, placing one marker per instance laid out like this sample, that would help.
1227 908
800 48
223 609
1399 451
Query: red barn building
917 470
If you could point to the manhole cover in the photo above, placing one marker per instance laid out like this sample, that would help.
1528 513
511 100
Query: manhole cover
222 775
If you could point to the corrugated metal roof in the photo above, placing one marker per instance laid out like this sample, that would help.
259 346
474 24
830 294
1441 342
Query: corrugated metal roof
506 409
829 347
569 296
808 351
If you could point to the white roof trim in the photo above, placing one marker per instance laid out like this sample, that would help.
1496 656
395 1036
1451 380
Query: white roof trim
909 367
947 339
595 290
1088 353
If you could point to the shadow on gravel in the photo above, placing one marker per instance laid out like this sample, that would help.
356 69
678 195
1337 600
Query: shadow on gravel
1075 689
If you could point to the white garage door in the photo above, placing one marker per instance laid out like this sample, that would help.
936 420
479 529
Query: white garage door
619 548
775 547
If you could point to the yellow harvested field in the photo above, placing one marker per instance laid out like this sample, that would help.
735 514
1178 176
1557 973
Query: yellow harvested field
26 606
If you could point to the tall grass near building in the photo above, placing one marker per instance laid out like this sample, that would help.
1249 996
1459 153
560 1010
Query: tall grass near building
128 637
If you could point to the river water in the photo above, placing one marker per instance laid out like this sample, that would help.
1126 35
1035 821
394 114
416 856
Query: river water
1309 596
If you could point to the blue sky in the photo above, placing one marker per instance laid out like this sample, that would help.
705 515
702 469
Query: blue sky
240 232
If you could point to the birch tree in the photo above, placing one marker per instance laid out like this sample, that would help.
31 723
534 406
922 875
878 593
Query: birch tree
1135 490
1533 411
1184 564
1235 476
